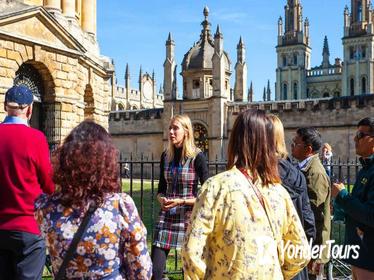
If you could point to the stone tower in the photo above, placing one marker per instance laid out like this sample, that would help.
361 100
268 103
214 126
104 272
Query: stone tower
358 45
240 73
169 70
293 53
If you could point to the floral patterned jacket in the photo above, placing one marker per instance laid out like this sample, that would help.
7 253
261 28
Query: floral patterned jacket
230 236
113 246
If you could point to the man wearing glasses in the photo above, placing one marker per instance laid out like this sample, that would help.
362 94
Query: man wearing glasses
305 148
358 206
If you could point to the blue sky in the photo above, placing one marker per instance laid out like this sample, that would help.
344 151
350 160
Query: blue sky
135 32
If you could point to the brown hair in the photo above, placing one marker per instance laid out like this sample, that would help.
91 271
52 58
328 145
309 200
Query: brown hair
252 146
85 166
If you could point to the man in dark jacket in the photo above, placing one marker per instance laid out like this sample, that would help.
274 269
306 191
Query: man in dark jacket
305 148
294 182
358 206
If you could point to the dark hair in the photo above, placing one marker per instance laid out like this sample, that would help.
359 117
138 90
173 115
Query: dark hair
85 166
310 136
252 146
369 121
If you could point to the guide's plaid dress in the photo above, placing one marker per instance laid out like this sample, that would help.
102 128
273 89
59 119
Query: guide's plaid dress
172 224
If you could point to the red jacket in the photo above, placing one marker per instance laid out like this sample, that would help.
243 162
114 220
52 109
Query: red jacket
25 172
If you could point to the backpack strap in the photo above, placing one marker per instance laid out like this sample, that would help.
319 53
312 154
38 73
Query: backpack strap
74 243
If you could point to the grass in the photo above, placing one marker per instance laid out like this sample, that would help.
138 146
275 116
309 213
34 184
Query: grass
149 212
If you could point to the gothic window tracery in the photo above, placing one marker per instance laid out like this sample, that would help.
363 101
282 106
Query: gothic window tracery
352 87
285 91
363 85
295 90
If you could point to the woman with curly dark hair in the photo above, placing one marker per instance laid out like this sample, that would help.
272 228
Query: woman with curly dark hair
113 246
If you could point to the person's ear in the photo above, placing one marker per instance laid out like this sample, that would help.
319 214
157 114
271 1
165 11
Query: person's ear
29 112
309 150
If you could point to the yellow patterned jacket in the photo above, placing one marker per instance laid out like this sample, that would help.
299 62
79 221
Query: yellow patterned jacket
230 236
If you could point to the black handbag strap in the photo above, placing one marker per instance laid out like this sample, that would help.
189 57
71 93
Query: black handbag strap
74 243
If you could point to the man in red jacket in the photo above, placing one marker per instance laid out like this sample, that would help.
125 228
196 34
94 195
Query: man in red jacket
25 172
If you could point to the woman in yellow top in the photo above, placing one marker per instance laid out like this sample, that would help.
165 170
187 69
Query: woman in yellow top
244 225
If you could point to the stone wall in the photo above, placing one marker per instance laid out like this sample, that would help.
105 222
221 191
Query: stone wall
335 118
76 79
138 133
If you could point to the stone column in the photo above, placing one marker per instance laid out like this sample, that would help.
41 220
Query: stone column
53 5
89 16
68 8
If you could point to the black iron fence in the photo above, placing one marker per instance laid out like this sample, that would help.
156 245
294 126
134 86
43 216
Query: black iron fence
139 178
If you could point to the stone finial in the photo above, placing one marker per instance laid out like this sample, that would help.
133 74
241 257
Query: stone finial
206 12
140 74
326 49
240 44
264 94
268 92
250 93
218 33
346 10
127 72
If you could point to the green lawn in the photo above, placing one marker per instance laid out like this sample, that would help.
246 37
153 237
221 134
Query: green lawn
149 212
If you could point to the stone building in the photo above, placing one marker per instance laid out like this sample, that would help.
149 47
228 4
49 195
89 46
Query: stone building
51 46
296 79
206 71
144 97
212 105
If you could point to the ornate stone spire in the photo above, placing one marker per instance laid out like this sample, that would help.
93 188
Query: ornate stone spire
205 32
326 53
268 92
250 93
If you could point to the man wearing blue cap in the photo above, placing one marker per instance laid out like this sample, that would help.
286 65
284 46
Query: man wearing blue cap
25 172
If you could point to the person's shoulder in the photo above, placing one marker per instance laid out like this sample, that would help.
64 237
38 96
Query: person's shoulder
227 181
47 202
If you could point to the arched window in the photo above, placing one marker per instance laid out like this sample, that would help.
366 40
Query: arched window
285 93
307 93
121 107
295 96
352 87
201 137
363 85
326 94
284 60
359 10
295 59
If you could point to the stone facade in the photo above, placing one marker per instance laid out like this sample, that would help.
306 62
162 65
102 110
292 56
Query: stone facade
52 48
141 133
145 97
296 79
213 106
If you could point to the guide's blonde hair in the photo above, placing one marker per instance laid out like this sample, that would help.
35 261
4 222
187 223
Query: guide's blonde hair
280 143
189 148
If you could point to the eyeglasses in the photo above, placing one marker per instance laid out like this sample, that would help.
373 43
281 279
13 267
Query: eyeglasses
294 144
359 135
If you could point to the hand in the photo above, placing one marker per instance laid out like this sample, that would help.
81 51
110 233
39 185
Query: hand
314 267
171 203
163 202
336 188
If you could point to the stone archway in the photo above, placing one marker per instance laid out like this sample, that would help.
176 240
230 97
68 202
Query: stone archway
201 138
46 112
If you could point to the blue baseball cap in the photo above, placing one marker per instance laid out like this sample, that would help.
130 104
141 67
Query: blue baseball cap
21 95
